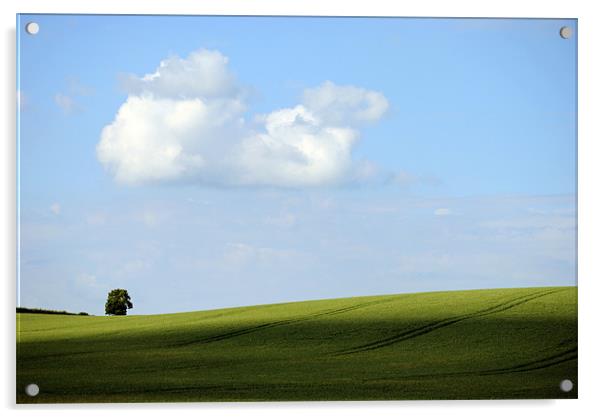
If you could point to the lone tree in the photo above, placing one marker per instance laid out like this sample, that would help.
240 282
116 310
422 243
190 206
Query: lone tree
118 302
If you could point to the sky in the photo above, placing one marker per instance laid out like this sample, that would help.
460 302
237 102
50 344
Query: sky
207 162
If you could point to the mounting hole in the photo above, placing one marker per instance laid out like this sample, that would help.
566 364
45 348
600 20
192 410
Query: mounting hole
566 32
32 389
566 385
32 28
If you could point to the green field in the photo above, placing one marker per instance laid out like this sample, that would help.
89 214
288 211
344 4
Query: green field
503 343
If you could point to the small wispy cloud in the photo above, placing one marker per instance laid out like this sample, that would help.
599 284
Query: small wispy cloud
442 212
65 103
284 220
150 218
133 268
96 219
68 101
55 208
238 254
77 88
403 178
86 280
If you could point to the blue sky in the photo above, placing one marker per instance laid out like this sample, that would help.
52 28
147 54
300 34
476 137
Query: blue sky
276 159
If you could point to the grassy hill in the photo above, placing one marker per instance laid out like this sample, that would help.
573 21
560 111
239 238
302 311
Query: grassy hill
503 343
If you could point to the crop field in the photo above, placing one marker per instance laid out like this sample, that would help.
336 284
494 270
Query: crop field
480 344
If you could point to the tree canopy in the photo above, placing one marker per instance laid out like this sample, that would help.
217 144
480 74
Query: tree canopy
118 302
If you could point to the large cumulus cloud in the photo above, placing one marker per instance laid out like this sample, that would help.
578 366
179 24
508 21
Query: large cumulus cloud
185 123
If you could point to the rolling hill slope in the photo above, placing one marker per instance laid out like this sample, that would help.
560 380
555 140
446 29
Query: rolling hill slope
502 343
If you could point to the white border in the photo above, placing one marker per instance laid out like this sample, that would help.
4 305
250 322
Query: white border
590 206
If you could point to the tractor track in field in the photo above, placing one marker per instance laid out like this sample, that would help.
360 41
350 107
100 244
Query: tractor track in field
283 322
433 326
536 364
542 363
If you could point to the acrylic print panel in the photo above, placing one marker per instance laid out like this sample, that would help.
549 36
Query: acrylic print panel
286 208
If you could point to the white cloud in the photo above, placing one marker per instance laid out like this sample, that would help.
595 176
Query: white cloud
184 123
157 140
442 212
295 150
203 74
55 208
